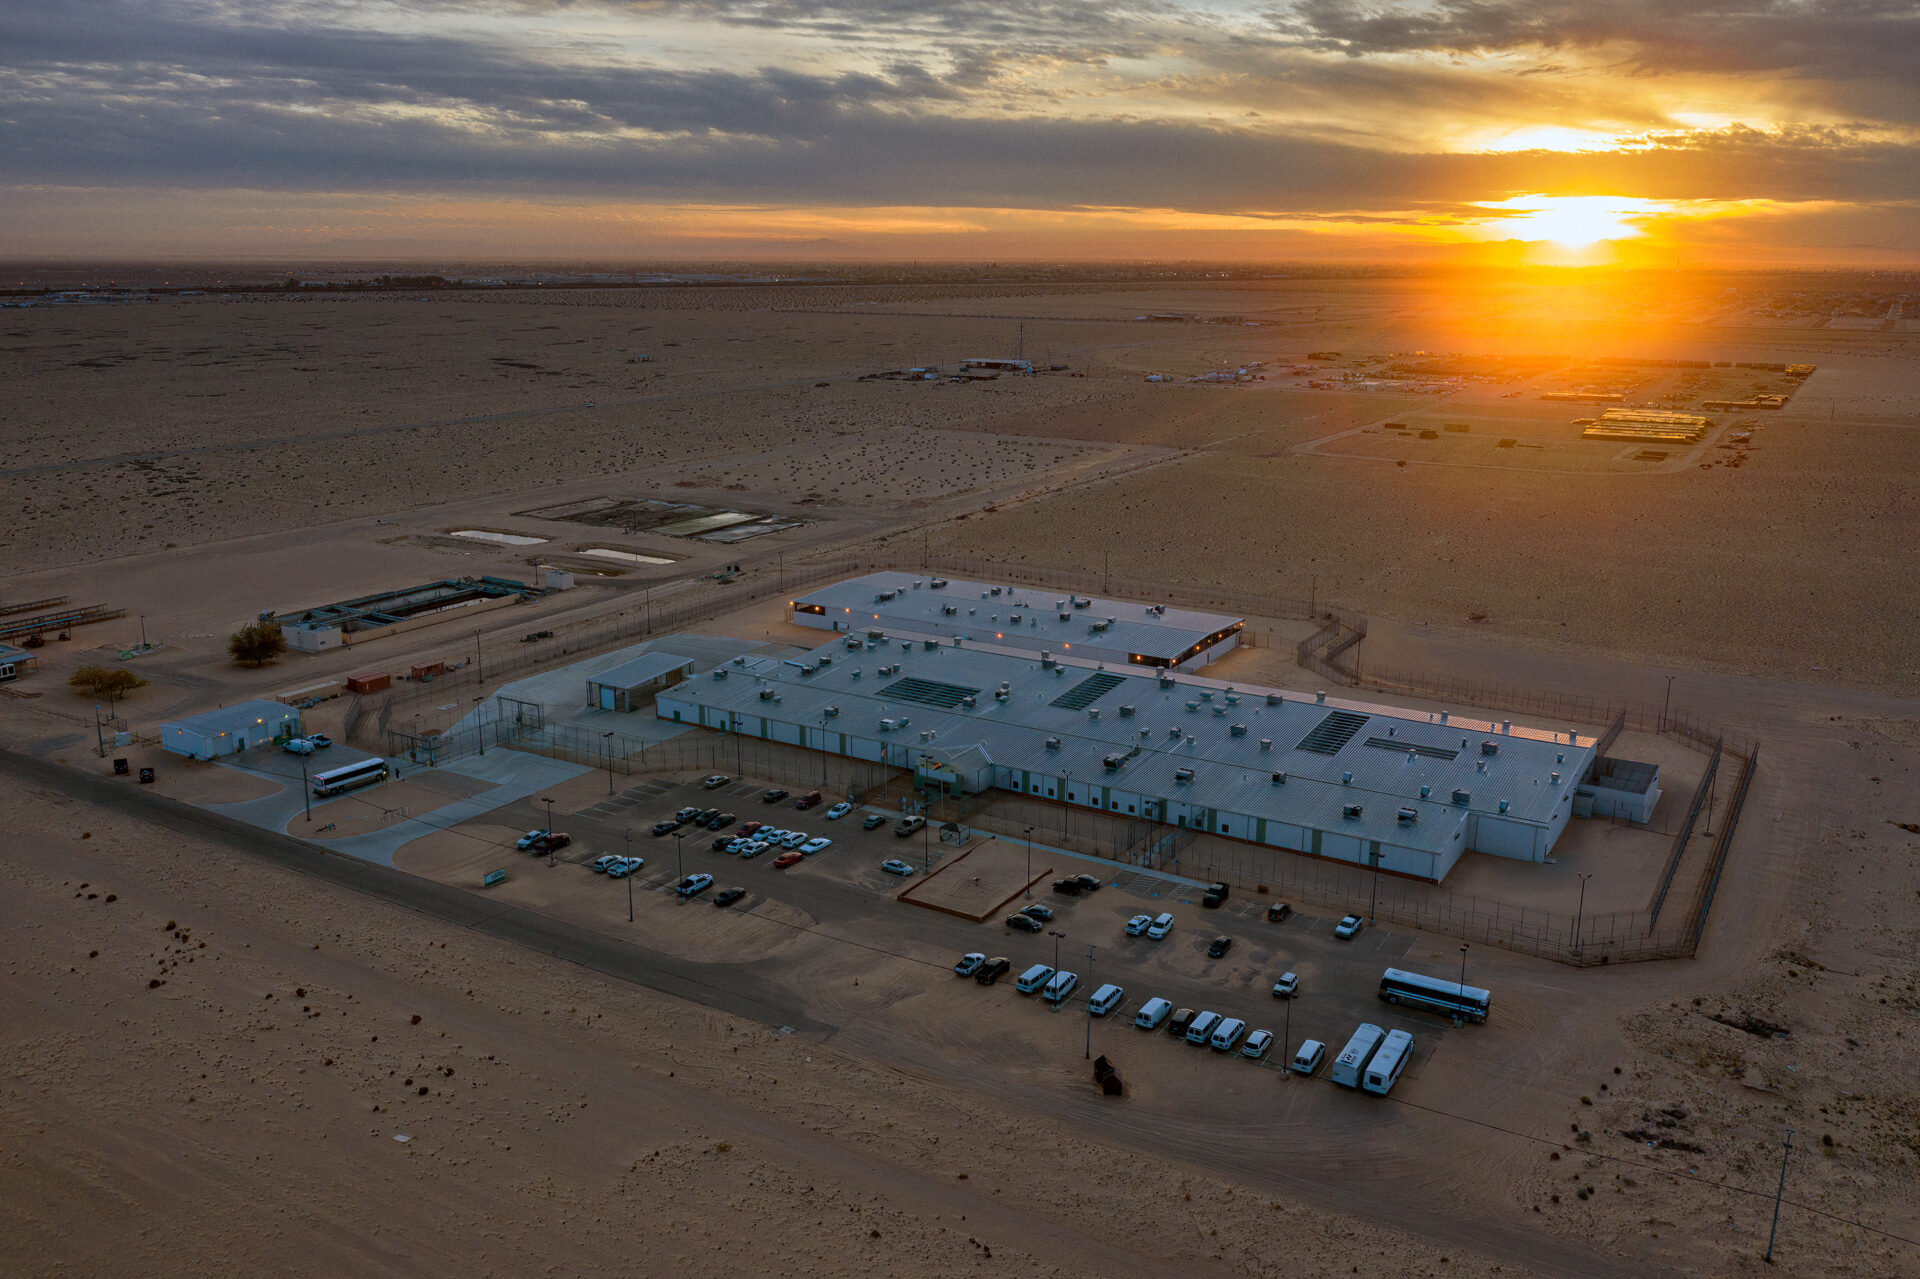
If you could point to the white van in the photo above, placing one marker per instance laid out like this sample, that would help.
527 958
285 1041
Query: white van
1105 1000
1308 1059
1228 1033
1203 1027
1152 1014
1060 986
1347 1066
1033 979
1395 1052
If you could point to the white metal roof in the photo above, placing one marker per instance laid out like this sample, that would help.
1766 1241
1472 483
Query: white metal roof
240 715
643 669
1389 756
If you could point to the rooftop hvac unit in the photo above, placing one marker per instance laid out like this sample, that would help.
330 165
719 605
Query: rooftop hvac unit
1093 712
1013 619
884 596
1266 743
1346 779
1113 762
1173 732
1279 779
1320 696
938 583
1489 747
1506 726
1046 661
766 694
1081 603
930 644
993 590
1183 774
1001 694
876 635
1462 798
906 646
809 669
740 661
1167 681
1053 743
856 672
1218 711
949 609
1425 791
1206 694
1273 699
719 672
1126 712
1193 706
1503 805
904 721
886 726
1238 730
1066 617
1390 730
853 644
1554 778
1560 757
1350 810
969 700
916 583
1408 815
1233 698
831 712
825 659
1059 670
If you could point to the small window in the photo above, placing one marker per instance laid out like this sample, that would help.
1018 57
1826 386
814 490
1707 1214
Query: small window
1129 808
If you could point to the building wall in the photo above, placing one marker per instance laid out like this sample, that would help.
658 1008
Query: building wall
281 723
858 623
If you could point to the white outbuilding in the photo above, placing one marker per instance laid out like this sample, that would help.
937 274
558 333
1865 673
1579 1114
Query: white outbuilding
231 729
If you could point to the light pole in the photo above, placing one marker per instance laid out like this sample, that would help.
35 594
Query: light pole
1066 785
549 804
680 856
1779 1190
1581 909
1463 970
99 738
606 748
479 668
1286 1037
926 849
823 752
1666 704
1057 938
1374 901
627 834
306 791
1089 1053
1029 863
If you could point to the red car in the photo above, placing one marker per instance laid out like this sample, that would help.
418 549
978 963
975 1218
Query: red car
550 841
785 860
808 800
747 828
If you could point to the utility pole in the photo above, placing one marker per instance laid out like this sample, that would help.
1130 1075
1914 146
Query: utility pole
606 748
1580 911
627 835
306 791
1375 902
1463 969
1057 936
1779 1190
1666 705
680 856
99 739
1029 863
549 804
1089 1053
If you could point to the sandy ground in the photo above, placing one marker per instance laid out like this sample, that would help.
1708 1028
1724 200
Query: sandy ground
197 461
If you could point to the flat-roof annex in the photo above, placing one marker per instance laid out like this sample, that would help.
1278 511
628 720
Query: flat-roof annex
984 611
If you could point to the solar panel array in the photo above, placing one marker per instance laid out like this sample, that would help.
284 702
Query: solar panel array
1332 733
1088 691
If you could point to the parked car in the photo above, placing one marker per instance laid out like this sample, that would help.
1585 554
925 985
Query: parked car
774 796
752 848
1219 946
873 820
748 828
1024 923
808 800
909 826
666 827
1287 987
991 971
624 866
1180 1022
1162 925
1349 927
728 896
529 839
894 866
552 841
1039 912
1279 913
793 839
601 864
970 963
297 746
1257 1044
1308 1059
1216 894
693 885
1091 883
818 845
1067 887
320 741
1139 924
720 821
705 815
724 844
715 781
785 860
839 810
687 814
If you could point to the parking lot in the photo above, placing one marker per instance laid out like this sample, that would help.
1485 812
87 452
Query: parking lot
845 906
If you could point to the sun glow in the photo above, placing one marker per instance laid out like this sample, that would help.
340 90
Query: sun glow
1571 221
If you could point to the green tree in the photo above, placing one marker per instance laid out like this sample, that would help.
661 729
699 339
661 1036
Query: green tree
110 682
256 643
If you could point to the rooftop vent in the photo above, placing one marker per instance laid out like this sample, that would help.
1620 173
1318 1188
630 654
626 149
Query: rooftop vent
1273 699
1346 779
1425 791
1218 711
1237 730
1489 747
1462 798
1193 706
832 711
1183 774
1053 743
1126 712
886 726
938 583
1408 815
1266 743
1093 712
1554 778
1173 732
949 609
719 672
1321 697
1350 810
1503 805
1206 694
1279 779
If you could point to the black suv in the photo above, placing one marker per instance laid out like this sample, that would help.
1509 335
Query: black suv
774 796
989 972
1216 893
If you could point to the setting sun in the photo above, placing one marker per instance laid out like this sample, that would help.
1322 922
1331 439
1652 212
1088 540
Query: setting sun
1572 221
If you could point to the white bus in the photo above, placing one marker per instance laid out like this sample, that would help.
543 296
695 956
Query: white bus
335 780
1398 986
1395 1051
1347 1066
